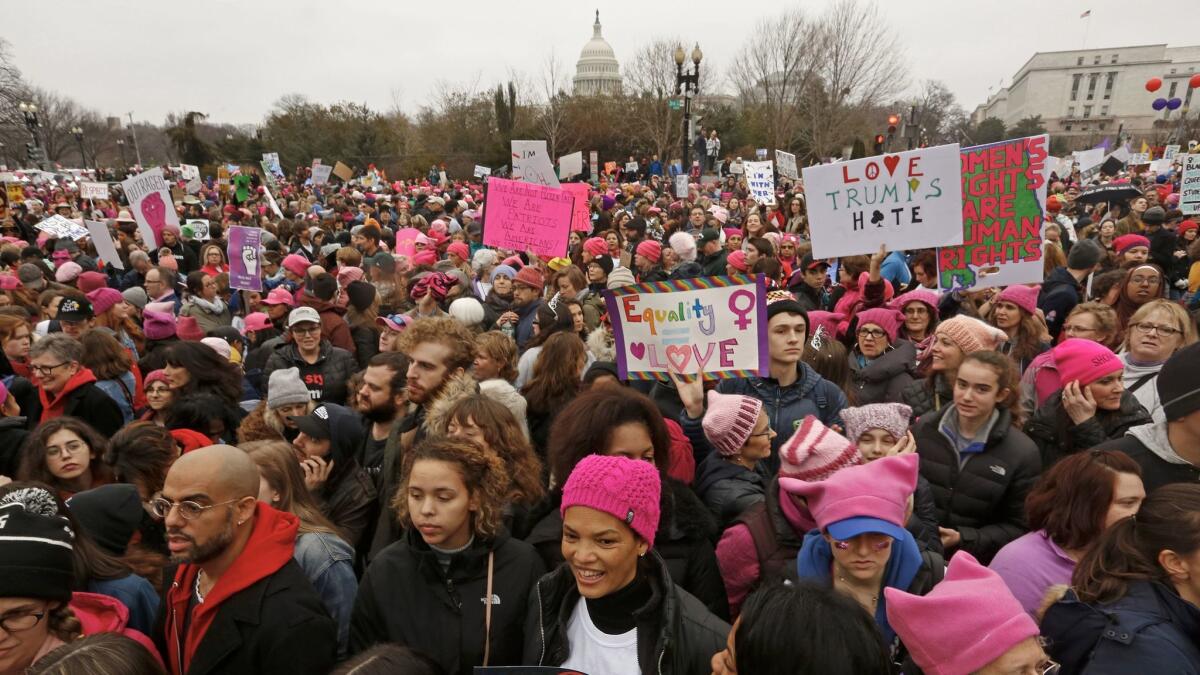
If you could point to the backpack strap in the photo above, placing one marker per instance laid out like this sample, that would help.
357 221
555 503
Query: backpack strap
1141 381
758 522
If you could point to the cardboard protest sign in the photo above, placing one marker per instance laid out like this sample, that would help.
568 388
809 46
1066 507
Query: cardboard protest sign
342 171
631 167
406 241
1170 151
62 228
527 217
531 163
570 165
271 163
320 174
786 162
1002 211
760 178
481 171
222 179
681 186
908 200
1189 185
581 214
102 239
610 168
200 228
93 190
712 325
1138 158
151 204
243 254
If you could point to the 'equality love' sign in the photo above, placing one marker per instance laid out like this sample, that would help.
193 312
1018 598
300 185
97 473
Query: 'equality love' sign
1003 203
521 216
907 200
712 325
151 204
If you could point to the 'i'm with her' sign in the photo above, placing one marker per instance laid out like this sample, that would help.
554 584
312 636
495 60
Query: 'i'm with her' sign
905 200
712 325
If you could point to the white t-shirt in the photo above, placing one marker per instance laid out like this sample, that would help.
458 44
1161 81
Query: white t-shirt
595 652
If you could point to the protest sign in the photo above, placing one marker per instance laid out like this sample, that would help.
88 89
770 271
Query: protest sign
271 200
222 179
1189 185
760 178
1138 158
531 163
1160 165
570 165
268 177
93 190
908 200
151 204
243 252
271 163
102 239
191 174
631 167
320 174
62 228
1089 161
681 186
610 168
1170 151
342 171
15 192
581 214
406 241
199 228
481 171
737 168
760 154
786 162
1061 166
713 325
1002 211
593 163
527 217
1122 154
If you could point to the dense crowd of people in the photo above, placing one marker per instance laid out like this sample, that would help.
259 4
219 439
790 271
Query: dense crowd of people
421 461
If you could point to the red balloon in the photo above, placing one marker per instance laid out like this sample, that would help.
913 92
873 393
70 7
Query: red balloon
1194 83
1153 84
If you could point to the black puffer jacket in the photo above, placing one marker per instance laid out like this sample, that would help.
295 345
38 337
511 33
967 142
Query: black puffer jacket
493 307
924 397
1057 436
686 270
676 634
348 497
885 378
983 496
326 379
686 532
727 489
407 598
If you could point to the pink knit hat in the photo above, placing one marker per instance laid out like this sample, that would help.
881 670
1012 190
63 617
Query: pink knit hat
426 257
737 260
159 375
90 281
815 451
187 328
967 621
829 320
459 249
921 295
348 275
886 318
729 421
596 246
103 299
891 417
158 325
279 296
627 489
859 499
1024 297
971 334
1084 360
650 249
68 272
296 264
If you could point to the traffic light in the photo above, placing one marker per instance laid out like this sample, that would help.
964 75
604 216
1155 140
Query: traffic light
30 152
893 122
879 144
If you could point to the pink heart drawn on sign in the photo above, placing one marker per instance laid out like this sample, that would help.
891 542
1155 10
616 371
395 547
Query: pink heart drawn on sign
678 356
890 162
637 349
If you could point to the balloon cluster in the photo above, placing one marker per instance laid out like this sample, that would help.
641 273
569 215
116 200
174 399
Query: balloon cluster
1155 83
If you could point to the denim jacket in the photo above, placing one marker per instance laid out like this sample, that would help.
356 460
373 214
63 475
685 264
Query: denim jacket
328 562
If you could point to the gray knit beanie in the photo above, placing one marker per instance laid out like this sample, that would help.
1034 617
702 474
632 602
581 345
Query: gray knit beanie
286 388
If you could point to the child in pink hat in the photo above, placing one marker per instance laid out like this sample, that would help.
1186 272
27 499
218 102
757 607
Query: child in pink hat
739 432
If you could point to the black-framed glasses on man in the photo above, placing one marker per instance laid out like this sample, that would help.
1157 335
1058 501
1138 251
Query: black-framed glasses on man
43 371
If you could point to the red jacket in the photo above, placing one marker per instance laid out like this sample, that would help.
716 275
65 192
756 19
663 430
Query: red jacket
102 614
269 548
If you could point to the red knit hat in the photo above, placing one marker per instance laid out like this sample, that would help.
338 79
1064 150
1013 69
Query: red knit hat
1127 241
596 246
531 278
1024 297
1185 227
1085 360
459 249
650 249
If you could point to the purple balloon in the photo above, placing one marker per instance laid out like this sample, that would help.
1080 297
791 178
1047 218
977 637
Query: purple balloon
1159 103
1174 103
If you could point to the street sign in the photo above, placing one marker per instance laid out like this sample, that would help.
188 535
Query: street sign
675 103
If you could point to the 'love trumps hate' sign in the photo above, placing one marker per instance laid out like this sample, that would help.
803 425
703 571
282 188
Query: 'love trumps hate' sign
905 200
711 325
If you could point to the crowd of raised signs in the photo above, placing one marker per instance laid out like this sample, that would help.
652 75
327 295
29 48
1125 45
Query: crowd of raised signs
413 453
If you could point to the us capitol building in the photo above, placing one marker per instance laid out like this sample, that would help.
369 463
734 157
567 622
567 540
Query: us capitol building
597 71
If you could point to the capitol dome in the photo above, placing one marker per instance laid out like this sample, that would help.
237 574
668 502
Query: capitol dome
597 71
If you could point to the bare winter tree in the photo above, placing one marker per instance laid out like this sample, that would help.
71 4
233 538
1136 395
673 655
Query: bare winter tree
649 81
938 113
551 115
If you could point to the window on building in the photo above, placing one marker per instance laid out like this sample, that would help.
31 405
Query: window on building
1087 111
1096 60
1067 127
1114 58
1070 111
1101 126
1079 62
1075 86
1104 111
1092 79
1172 71
1174 84
1108 85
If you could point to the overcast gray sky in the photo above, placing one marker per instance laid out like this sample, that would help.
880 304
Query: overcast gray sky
233 58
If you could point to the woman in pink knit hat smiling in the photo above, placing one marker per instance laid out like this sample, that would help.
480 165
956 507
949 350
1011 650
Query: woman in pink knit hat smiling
1015 312
954 338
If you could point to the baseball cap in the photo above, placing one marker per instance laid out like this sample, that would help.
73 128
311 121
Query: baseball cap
257 321
396 322
809 262
279 296
315 423
708 234
849 528
302 315
75 310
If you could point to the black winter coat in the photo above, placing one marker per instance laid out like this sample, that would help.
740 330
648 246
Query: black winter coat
12 436
714 265
1057 297
348 498
686 270
885 378
1057 436
1156 471
925 398
676 634
366 344
686 532
493 307
332 371
90 404
407 598
727 489
984 498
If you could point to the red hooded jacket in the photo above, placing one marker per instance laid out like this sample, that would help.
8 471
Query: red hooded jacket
51 410
269 548
102 614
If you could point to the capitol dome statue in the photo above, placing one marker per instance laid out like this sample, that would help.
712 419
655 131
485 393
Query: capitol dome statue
597 71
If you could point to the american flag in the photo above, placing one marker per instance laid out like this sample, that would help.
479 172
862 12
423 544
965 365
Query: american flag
1086 14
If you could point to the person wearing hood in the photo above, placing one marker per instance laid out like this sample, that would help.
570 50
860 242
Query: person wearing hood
238 602
1063 288
1132 606
67 388
499 298
328 444
1092 407
1169 451
881 362
613 607
321 295
423 591
860 546
325 369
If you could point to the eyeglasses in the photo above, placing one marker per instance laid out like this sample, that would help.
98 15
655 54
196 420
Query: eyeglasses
1145 281
162 507
916 310
1147 328
297 330
875 546
157 391
873 333
1077 330
71 448
1048 667
43 371
768 432
15 623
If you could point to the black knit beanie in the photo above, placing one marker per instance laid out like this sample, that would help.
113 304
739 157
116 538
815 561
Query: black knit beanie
36 545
